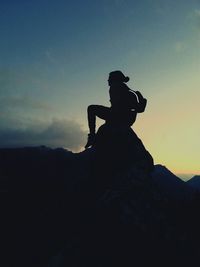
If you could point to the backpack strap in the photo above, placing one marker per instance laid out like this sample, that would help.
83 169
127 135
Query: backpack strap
142 102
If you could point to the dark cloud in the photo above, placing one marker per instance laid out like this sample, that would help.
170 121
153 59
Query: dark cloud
22 119
58 133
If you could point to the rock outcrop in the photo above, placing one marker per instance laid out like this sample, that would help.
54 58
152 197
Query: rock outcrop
99 207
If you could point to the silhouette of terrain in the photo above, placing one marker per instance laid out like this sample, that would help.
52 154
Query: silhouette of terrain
194 182
172 185
106 206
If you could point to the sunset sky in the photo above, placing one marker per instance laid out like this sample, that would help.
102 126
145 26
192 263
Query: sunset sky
55 57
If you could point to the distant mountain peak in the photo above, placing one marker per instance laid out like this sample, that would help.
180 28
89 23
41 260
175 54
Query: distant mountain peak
170 183
159 168
195 182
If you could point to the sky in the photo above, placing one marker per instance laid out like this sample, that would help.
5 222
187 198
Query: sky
55 57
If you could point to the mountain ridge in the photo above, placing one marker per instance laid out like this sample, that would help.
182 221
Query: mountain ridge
73 211
195 182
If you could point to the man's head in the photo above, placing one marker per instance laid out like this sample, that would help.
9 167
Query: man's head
116 77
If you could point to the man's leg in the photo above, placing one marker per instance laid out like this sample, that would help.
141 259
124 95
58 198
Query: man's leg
94 111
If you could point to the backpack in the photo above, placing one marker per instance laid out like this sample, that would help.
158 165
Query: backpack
136 101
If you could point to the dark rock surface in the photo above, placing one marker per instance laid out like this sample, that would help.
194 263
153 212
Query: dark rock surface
100 207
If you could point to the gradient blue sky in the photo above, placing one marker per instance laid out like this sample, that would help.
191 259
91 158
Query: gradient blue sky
55 57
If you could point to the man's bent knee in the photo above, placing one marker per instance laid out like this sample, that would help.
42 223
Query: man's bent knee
91 108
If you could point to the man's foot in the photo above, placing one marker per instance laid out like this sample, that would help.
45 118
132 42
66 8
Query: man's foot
91 140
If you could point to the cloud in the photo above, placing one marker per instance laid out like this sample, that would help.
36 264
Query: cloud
23 102
27 121
57 133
